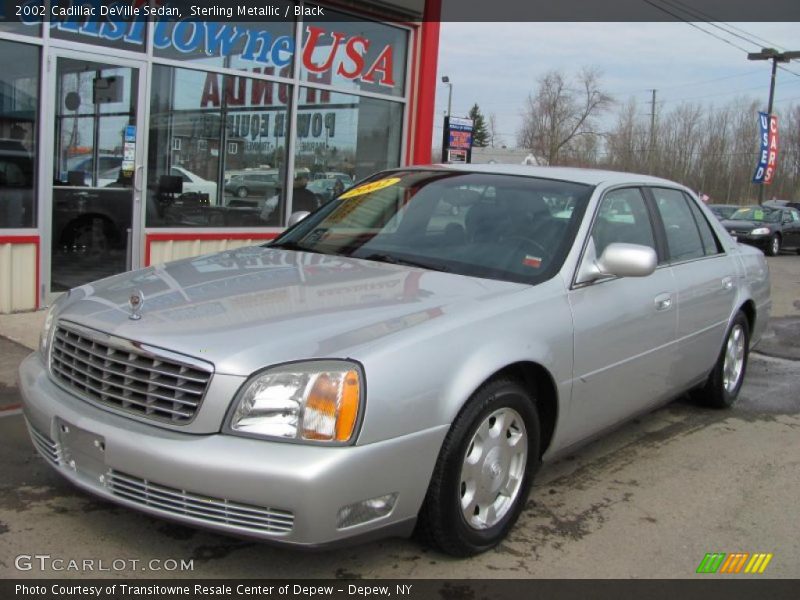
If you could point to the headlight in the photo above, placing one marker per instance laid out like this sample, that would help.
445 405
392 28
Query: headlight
47 331
316 401
760 231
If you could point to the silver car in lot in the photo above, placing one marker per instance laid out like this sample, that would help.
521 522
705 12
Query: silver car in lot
386 366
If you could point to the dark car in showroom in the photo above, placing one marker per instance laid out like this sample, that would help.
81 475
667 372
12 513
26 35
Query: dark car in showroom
766 227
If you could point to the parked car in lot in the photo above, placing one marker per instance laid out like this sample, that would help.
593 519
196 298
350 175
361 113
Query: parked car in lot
766 227
386 367
723 211
255 183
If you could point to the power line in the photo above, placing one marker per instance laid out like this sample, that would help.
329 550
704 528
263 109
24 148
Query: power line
695 25
710 19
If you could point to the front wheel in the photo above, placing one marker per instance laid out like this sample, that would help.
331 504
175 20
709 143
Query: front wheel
484 472
242 192
725 382
774 245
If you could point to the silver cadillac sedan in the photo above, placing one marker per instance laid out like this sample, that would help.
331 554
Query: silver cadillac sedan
401 360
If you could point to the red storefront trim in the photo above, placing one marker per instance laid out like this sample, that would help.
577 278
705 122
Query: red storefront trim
426 91
27 239
149 238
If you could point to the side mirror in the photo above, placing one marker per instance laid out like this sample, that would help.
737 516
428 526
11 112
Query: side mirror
620 260
298 216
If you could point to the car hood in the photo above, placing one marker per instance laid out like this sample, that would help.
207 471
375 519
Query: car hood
745 225
249 308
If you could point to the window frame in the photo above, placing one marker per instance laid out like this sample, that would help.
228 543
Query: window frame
655 226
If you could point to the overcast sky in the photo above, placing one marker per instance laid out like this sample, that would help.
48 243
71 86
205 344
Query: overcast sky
497 64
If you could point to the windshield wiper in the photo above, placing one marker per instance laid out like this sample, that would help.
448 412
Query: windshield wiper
395 260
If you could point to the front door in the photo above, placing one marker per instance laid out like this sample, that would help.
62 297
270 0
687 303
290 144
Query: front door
96 174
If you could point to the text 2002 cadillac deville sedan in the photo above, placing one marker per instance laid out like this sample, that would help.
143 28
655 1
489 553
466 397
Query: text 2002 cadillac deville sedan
405 356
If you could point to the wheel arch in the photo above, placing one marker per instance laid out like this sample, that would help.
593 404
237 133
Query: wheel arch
748 307
538 381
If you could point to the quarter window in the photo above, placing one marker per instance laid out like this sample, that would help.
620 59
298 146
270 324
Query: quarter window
683 237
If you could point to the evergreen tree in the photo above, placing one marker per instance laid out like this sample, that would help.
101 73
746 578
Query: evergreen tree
480 135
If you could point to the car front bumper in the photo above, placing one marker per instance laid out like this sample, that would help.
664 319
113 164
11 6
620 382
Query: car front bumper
276 491
762 242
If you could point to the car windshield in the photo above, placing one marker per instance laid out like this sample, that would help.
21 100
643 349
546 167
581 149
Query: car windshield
758 213
723 211
513 228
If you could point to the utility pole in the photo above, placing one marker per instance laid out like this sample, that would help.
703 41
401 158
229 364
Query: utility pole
775 57
652 151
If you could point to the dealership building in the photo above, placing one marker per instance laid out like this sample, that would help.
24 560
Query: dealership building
128 141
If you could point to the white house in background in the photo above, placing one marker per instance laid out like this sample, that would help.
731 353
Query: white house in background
509 156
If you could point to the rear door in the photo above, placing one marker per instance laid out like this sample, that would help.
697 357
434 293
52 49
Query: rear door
705 278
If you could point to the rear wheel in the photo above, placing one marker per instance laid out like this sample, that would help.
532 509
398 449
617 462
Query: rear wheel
723 385
484 471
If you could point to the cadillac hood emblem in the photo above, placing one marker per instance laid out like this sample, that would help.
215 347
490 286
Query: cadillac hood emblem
136 301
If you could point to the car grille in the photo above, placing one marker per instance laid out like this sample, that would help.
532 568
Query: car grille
46 447
126 376
211 510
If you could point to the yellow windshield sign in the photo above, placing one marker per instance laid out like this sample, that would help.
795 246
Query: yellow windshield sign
368 188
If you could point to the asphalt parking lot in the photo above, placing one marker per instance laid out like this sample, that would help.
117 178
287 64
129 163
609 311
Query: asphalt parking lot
648 501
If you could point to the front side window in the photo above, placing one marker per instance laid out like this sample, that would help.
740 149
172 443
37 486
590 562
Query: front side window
683 237
490 226
622 218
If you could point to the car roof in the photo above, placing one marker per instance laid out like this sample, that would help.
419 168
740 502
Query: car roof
573 174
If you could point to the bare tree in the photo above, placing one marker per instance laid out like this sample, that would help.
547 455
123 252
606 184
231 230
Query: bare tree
560 113
494 136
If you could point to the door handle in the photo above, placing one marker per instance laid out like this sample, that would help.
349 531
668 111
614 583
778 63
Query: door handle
137 187
727 283
663 301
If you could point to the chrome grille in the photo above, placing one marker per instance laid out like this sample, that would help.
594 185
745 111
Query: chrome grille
212 510
46 447
123 375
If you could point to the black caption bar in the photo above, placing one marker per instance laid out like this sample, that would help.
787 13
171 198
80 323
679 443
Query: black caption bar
406 10
709 589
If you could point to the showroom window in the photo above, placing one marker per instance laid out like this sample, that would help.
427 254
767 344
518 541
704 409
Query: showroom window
354 55
343 138
19 93
217 150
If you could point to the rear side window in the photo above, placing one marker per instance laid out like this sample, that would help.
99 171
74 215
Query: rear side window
683 236
710 242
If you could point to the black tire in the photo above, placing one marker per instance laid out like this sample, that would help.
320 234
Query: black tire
774 247
242 192
715 393
441 521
